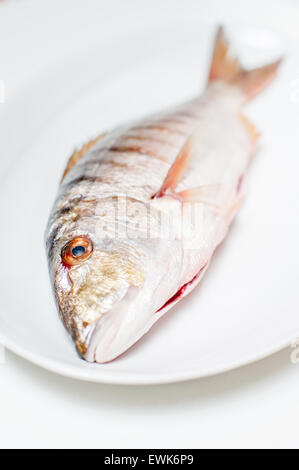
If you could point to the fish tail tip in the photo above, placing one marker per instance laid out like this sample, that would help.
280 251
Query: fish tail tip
227 68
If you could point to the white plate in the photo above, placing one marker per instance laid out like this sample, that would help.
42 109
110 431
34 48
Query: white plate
247 305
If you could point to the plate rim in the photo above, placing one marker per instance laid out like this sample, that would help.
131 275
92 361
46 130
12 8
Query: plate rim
134 379
121 378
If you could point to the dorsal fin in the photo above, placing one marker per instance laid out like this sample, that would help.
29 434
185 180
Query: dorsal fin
78 154
251 129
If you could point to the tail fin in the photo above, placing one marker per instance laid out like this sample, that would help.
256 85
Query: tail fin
228 69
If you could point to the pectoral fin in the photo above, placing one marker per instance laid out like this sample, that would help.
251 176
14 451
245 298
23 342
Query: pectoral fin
178 169
206 194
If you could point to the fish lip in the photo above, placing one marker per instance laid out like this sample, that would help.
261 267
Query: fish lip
83 345
101 344
91 353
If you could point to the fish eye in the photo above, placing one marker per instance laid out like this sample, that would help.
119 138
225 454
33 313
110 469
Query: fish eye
77 251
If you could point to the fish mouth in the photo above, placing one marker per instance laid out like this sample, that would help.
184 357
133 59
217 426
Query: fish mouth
120 328
112 334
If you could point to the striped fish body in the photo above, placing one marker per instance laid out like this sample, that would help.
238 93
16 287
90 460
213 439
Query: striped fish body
140 212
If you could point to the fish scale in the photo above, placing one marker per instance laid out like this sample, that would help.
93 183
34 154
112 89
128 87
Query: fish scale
141 209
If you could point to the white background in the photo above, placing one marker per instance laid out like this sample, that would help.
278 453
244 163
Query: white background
256 406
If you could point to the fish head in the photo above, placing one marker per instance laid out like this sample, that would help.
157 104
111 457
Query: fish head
108 291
